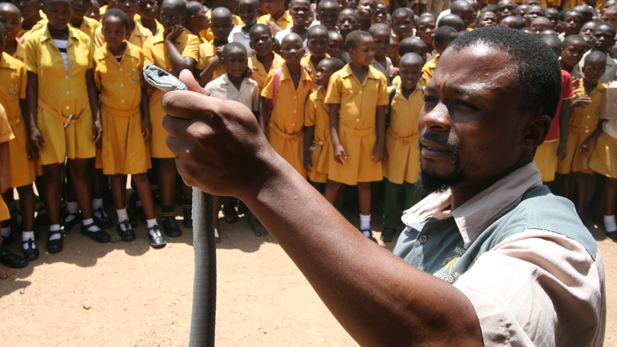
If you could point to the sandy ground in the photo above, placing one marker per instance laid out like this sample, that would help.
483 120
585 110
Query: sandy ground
128 294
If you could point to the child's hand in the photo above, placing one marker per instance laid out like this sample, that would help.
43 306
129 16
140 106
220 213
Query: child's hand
379 154
5 183
394 72
219 51
174 32
33 154
308 163
339 154
146 129
308 69
588 145
248 73
97 132
36 139
561 151
575 82
581 102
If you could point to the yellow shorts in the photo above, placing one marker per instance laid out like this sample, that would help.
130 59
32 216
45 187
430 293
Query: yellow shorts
546 160
604 156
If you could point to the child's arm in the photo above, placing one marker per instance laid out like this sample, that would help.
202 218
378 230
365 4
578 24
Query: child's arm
564 121
5 181
581 102
379 153
590 142
206 75
32 91
146 128
263 112
178 62
309 132
93 97
32 153
339 151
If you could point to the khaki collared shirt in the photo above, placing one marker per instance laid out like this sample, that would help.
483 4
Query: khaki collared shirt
248 95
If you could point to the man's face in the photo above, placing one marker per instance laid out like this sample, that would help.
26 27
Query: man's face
573 52
487 19
318 43
148 8
248 12
552 15
603 38
12 22
471 130
521 11
28 8
402 25
572 23
610 16
381 14
347 22
221 25
504 8
171 15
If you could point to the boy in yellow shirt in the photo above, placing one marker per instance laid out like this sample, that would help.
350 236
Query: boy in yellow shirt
126 122
148 11
357 96
443 37
64 118
137 34
232 6
32 16
317 125
317 43
78 20
196 19
585 127
285 119
276 18
402 168
209 64
10 17
22 173
264 60
327 13
173 50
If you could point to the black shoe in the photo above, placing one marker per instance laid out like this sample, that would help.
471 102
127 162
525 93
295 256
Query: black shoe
156 238
171 227
103 222
54 246
68 226
188 218
8 240
388 234
99 236
12 260
370 236
31 252
128 234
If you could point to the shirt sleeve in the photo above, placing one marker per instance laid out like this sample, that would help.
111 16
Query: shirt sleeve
333 95
202 61
148 57
99 39
534 288
191 50
309 111
268 90
90 49
6 133
31 53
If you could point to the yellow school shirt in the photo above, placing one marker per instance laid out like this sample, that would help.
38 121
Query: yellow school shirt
207 33
155 52
285 22
138 37
287 119
357 131
159 26
403 164
124 149
259 72
19 53
316 114
397 81
429 68
65 92
13 82
207 52
306 60
23 33
5 135
88 26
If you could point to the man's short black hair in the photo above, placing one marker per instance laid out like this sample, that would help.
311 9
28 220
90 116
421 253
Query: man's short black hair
517 22
192 8
351 41
260 26
552 40
605 24
404 10
539 73
233 46
114 12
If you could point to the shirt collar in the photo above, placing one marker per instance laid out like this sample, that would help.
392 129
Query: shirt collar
285 75
484 208
8 61
103 52
46 35
372 72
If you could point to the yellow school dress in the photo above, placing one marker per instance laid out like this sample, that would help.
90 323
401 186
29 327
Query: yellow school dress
13 82
546 160
604 156
5 135
155 52
259 72
287 119
357 130
428 70
583 122
207 33
88 26
317 114
159 26
306 60
403 164
62 93
124 149
285 22
207 52
138 37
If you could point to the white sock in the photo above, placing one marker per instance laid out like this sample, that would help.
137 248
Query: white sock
151 222
365 221
72 208
25 236
55 229
93 228
97 203
122 214
6 232
609 224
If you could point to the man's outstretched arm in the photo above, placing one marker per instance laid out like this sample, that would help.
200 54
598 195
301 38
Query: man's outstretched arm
377 297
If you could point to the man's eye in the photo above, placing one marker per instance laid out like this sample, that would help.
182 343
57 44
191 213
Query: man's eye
430 99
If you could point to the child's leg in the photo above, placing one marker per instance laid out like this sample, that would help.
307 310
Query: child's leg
5 272
412 195
609 205
27 205
118 191
167 186
582 181
332 189
364 199
52 175
145 194
98 210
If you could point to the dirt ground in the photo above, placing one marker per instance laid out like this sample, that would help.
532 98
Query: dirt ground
128 294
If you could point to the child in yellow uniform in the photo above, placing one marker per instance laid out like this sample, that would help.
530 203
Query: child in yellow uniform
95 11
11 18
126 122
317 44
443 37
264 58
196 19
317 125
33 17
147 16
284 127
412 45
79 8
173 50
13 77
137 34
232 6
209 64
276 18
357 96
402 168
381 36
585 126
327 13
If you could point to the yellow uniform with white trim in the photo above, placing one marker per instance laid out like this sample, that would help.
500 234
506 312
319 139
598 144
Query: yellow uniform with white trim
13 82
139 36
403 164
5 135
124 149
155 52
357 119
63 91
207 52
259 71
317 114
285 131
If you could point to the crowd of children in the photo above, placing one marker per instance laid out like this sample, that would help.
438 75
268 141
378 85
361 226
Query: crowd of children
336 86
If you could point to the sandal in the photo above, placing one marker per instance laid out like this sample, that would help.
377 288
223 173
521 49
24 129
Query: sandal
229 211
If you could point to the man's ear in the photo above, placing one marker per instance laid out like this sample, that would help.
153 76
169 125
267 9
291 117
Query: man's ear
537 130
